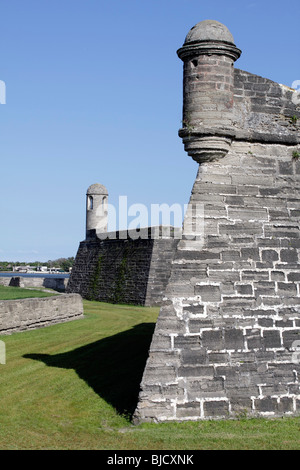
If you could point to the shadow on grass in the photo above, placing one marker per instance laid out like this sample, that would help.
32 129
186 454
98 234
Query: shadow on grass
112 366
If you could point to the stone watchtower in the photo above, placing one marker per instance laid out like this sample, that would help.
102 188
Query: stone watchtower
208 54
96 210
227 338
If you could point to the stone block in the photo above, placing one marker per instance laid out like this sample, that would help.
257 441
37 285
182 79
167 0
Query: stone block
216 408
274 389
277 276
186 342
188 410
285 405
241 407
213 339
168 358
218 358
231 255
266 405
272 338
252 275
289 256
295 213
240 228
244 289
294 277
285 168
254 338
247 214
238 302
167 325
241 357
234 200
200 388
290 337
227 288
195 325
159 373
208 293
233 339
193 357
278 214
194 309
155 411
269 255
294 389
286 288
223 276
265 322
160 342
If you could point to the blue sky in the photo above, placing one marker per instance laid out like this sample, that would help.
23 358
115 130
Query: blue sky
94 94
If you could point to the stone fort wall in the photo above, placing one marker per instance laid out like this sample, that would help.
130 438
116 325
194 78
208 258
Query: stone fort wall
223 340
123 270
227 338
28 314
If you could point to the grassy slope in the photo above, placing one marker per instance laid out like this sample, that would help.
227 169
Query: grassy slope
13 293
73 385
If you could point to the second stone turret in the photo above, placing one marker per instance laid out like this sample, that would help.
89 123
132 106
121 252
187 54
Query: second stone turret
96 210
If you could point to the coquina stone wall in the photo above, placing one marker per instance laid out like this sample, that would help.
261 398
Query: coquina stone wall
27 314
123 270
227 339
223 340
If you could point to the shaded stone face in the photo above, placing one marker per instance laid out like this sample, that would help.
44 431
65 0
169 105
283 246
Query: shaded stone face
123 270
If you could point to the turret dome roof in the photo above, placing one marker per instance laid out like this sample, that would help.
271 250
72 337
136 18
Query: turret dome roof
209 30
97 189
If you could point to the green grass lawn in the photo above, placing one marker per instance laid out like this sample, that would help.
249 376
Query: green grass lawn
13 293
74 386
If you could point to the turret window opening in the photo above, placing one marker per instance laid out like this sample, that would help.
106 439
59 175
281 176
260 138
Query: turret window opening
90 203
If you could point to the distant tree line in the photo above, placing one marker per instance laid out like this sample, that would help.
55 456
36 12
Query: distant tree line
61 263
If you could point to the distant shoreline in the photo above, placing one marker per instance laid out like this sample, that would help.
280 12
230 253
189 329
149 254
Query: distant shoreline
37 274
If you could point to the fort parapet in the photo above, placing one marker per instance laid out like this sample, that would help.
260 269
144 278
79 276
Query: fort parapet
123 268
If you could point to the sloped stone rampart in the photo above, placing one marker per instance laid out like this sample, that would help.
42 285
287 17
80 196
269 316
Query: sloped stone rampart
225 342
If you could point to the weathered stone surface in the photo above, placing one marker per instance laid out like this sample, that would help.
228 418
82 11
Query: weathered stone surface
26 314
237 355
132 271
